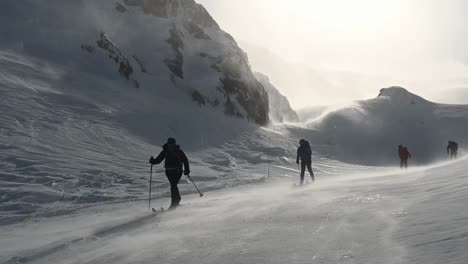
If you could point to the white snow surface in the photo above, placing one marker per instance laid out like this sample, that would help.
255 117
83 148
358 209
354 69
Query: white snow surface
371 216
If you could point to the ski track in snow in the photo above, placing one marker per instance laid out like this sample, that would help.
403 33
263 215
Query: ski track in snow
414 216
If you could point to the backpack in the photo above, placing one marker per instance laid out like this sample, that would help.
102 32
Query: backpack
173 159
306 152
404 153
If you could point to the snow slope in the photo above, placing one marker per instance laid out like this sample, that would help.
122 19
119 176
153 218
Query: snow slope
369 131
168 48
80 125
415 216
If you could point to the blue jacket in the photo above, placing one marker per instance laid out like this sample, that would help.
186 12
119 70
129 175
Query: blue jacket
304 153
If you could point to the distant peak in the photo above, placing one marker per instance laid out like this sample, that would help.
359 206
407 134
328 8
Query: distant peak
394 90
400 94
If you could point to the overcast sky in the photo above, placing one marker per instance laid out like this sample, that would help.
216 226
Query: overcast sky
420 43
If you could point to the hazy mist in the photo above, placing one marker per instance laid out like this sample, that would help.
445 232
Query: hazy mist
321 52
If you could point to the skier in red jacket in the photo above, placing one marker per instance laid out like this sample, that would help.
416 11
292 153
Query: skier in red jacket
404 155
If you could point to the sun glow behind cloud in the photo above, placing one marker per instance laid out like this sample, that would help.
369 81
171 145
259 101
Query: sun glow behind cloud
386 42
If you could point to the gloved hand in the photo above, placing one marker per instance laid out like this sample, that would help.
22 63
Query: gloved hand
297 161
152 161
186 172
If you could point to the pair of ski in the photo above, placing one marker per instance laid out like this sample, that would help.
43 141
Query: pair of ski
305 183
162 209
158 211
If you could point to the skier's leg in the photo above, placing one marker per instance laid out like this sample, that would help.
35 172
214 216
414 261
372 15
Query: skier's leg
174 177
303 166
309 168
406 163
401 163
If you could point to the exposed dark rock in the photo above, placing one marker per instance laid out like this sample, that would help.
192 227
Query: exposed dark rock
192 11
230 108
176 62
88 48
195 30
215 103
140 63
119 7
280 109
254 100
125 69
105 43
197 97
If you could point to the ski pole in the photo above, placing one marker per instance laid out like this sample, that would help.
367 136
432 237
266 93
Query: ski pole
269 144
150 181
201 194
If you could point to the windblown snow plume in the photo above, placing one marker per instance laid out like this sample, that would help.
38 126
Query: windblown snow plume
369 131
280 109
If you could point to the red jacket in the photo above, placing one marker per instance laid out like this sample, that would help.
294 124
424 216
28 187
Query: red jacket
404 153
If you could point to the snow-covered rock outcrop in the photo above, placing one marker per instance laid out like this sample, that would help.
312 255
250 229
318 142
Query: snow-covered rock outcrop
153 44
369 131
280 109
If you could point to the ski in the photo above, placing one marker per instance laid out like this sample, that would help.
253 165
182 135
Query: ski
157 211
305 183
164 209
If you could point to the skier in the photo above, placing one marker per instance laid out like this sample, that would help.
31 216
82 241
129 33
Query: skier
304 153
404 155
174 159
452 149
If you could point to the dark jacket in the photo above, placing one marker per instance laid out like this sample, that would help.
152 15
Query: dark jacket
304 153
174 157
452 147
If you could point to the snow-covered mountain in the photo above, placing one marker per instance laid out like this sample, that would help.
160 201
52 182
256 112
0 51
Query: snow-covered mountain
369 131
158 46
280 109
91 89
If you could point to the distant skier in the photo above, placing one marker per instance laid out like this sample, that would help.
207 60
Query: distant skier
174 159
404 154
304 154
452 149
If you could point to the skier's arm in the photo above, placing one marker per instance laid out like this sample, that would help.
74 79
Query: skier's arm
160 157
184 160
297 155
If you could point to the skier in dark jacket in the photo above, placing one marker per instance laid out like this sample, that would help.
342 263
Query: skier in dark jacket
404 154
452 149
304 154
174 159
